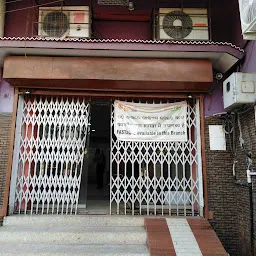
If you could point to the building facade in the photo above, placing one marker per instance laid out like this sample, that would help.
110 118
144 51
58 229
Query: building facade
65 66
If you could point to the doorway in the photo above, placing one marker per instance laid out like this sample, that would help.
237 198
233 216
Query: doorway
54 168
94 191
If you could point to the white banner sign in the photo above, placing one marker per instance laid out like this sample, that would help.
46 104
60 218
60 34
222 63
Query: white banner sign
150 122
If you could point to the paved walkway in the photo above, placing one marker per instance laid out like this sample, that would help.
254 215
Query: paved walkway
182 237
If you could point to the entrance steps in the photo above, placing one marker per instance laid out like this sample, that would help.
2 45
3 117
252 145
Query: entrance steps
73 235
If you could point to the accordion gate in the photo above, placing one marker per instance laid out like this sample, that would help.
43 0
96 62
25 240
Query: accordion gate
48 156
145 177
158 177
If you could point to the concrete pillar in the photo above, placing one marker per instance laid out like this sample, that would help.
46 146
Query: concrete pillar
2 17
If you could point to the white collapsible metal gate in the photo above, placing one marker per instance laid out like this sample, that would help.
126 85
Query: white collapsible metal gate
49 149
158 177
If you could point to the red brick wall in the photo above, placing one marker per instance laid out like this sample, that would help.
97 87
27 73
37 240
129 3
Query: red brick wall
5 126
229 196
244 219
247 120
221 193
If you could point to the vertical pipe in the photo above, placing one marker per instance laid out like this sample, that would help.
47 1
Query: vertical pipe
251 217
2 17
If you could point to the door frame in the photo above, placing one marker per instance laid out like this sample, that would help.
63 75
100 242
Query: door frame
111 95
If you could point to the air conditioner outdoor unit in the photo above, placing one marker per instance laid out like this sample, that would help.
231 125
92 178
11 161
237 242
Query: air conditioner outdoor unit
183 24
61 22
248 18
239 88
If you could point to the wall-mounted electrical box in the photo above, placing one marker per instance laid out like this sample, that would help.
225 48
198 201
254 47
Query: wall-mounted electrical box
239 88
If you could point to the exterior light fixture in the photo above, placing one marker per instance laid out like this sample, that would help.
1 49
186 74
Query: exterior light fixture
218 76
131 6
190 96
93 130
28 92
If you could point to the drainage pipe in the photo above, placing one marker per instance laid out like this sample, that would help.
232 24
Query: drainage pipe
252 218
2 17
249 180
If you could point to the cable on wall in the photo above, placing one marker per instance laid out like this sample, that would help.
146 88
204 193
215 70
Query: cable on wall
34 6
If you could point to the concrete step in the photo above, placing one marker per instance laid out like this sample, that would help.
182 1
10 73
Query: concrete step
10 249
125 221
73 234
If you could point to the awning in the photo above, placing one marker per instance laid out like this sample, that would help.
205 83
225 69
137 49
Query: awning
223 55
111 74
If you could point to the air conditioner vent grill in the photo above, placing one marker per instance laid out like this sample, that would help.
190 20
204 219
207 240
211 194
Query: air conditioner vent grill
55 23
177 24
182 24
64 22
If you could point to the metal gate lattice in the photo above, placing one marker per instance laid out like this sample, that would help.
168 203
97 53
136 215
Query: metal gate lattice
49 150
158 177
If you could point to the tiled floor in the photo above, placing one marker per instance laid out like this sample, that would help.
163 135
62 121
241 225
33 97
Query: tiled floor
159 240
182 237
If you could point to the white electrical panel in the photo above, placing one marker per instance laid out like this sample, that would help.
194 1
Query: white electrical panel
217 137
239 88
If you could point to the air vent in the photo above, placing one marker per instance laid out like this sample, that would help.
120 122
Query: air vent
177 24
66 21
182 24
114 2
55 23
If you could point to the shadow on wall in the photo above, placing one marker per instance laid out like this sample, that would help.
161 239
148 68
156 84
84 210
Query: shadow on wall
213 102
6 97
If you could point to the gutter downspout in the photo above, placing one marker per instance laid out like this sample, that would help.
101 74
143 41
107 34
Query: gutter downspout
2 17
249 180
252 219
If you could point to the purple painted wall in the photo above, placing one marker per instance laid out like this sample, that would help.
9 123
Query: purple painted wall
142 8
213 102
6 96
225 23
225 20
23 22
130 30
249 64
